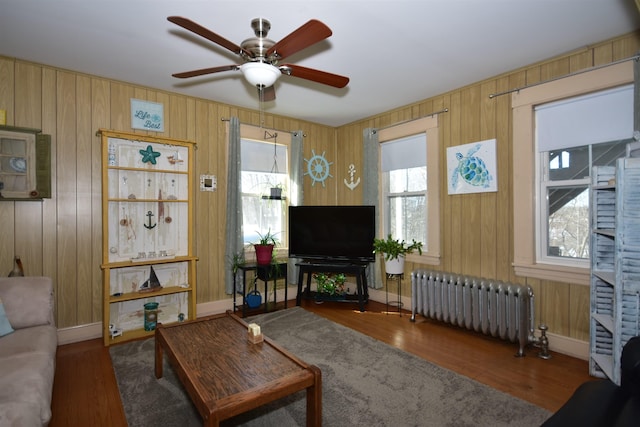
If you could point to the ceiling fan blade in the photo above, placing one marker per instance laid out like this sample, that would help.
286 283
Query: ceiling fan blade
208 34
315 75
204 71
267 94
308 34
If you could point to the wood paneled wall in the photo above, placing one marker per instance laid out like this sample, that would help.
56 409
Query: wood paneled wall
477 229
61 237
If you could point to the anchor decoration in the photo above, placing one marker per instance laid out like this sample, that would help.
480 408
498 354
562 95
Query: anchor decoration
149 226
151 284
352 184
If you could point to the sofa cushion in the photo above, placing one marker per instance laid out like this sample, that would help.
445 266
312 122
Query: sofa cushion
28 301
40 339
28 381
19 414
5 326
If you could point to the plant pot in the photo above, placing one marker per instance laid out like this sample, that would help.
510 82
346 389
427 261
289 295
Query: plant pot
264 254
394 266
276 192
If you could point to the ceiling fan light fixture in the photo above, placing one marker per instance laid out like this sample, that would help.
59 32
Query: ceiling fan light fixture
260 74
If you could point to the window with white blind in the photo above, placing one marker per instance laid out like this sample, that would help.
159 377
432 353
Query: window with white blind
560 130
409 191
572 136
404 186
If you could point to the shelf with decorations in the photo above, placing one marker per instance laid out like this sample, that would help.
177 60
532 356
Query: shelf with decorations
148 255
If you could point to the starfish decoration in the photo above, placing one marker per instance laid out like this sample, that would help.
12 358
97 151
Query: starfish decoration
149 155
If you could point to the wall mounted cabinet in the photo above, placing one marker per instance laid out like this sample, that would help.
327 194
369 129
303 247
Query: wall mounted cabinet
25 164
147 223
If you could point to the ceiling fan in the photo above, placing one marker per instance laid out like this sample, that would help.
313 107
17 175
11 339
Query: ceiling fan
261 55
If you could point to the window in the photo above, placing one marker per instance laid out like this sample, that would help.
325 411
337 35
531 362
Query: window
409 192
564 206
569 127
404 187
265 165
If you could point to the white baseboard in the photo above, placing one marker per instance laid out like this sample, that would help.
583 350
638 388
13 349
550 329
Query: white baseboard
94 330
569 346
79 333
558 343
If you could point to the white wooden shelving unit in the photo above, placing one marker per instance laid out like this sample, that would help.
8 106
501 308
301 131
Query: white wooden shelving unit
147 231
615 264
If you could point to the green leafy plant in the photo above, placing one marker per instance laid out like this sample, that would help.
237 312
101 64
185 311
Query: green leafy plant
392 248
236 260
329 284
267 239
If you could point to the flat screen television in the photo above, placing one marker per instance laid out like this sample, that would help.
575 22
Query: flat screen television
332 233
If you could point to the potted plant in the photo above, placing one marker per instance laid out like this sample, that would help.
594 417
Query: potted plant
394 251
264 247
275 192
330 285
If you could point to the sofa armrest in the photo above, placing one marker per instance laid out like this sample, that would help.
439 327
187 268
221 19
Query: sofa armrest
28 301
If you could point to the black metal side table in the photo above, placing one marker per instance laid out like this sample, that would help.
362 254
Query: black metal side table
265 272
398 303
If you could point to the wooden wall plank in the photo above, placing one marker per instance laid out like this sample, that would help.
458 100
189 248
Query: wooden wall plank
86 287
49 219
488 201
28 239
100 118
454 239
7 209
66 161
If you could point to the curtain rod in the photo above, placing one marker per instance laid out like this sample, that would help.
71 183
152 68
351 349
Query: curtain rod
444 110
620 61
295 133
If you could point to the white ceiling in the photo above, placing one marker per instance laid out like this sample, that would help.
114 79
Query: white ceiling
395 52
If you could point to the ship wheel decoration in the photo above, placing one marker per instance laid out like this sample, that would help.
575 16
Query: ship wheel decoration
318 168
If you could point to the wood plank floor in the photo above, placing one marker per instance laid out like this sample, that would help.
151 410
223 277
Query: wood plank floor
85 391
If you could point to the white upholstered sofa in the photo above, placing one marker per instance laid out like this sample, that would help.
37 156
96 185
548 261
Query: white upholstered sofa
28 345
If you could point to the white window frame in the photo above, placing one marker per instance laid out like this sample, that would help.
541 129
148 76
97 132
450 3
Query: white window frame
429 126
525 184
542 217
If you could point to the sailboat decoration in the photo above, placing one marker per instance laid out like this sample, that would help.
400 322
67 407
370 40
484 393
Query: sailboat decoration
175 158
151 284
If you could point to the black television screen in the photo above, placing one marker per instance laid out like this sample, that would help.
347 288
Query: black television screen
332 233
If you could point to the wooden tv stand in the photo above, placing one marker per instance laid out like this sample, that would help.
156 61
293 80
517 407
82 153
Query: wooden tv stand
354 268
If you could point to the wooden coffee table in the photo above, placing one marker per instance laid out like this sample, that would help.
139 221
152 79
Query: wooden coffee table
226 375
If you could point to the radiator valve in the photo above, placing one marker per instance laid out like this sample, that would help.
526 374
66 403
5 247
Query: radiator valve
543 343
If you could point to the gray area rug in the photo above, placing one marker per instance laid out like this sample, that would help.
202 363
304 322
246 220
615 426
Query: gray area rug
365 383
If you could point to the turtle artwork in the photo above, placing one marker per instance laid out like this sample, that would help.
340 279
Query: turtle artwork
471 169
